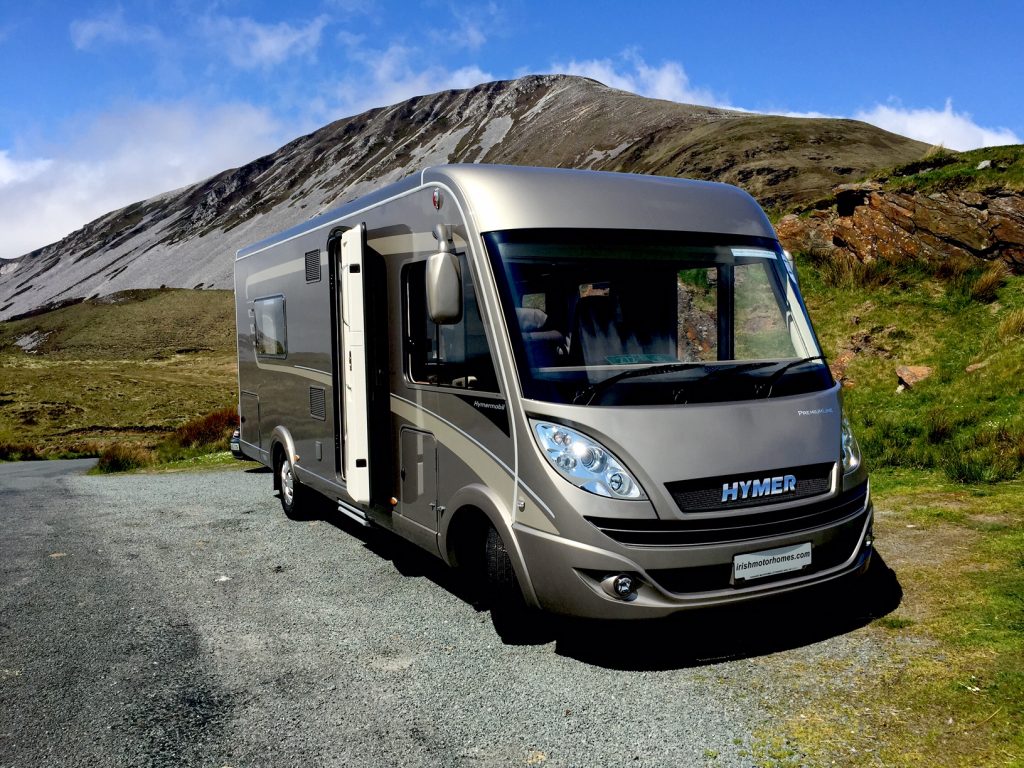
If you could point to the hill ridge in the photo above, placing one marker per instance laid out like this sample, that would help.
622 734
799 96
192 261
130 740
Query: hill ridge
186 237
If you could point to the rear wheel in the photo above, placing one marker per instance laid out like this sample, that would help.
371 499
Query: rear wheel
292 491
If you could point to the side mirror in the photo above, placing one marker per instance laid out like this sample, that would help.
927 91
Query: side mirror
444 288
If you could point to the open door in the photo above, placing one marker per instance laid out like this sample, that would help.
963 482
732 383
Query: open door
356 405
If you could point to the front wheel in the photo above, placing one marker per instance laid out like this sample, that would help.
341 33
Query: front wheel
515 622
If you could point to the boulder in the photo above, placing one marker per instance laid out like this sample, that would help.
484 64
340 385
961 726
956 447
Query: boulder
910 376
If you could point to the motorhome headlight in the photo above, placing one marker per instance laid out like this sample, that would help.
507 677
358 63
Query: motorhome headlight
851 451
586 463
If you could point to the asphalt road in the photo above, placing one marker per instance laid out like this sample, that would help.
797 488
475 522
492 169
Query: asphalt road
182 620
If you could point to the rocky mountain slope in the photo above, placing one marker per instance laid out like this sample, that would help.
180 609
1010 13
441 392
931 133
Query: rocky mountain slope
950 211
187 237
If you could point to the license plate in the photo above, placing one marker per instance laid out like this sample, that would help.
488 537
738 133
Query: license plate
768 562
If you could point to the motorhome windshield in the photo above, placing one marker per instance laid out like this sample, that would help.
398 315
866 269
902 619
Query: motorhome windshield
603 317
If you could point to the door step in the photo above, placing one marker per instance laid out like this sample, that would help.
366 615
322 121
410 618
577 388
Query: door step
353 512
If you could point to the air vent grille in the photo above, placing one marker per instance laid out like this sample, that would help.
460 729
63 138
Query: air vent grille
313 266
318 403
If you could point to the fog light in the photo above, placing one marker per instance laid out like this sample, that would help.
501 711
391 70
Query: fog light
624 587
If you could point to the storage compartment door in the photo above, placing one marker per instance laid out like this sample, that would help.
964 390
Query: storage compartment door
356 442
249 413
419 478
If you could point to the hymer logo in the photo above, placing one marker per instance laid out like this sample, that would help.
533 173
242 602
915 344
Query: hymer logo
751 489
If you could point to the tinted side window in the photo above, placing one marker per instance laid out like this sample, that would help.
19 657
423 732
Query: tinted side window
271 332
454 355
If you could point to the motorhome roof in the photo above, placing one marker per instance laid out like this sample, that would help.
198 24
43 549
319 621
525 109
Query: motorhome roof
503 197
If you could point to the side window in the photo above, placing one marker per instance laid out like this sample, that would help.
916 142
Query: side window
454 355
271 333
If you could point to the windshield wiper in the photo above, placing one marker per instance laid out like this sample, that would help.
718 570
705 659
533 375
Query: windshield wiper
678 396
724 372
655 370
777 374
587 396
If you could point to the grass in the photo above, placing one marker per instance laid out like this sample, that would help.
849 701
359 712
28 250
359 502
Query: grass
122 457
130 369
942 171
948 689
203 435
967 419
216 460
947 464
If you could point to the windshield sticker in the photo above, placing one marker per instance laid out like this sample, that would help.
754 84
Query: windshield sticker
636 359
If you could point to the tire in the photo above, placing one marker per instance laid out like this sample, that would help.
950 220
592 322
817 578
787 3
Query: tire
514 621
292 491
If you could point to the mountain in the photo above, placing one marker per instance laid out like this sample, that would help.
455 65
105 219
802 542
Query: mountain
187 237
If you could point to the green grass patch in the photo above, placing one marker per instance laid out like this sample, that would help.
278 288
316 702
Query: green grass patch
942 171
894 622
199 463
967 418
948 690
132 368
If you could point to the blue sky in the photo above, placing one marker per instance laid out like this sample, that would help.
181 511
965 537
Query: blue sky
103 103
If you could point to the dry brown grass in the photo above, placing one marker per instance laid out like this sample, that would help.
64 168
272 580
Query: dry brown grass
1012 325
212 429
988 284
121 457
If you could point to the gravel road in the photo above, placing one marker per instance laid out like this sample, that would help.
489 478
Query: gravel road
182 620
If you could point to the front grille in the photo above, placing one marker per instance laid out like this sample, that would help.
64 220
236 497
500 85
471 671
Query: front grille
731 528
705 493
709 578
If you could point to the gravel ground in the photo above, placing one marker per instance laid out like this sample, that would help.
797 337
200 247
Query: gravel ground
182 620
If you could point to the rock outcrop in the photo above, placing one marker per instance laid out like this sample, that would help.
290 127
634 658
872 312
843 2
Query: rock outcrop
868 222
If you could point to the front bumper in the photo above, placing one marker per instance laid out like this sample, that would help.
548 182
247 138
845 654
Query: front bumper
567 575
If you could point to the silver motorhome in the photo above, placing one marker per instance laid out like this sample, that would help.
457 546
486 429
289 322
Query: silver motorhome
599 393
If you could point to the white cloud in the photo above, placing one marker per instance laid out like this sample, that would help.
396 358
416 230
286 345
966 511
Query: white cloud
121 158
395 74
111 28
631 73
16 171
249 44
470 36
954 130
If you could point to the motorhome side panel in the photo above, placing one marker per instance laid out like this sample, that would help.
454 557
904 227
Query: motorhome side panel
285 362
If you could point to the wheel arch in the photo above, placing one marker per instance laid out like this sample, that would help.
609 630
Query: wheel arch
280 440
463 528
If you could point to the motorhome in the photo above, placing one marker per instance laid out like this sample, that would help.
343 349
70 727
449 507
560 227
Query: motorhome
598 394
